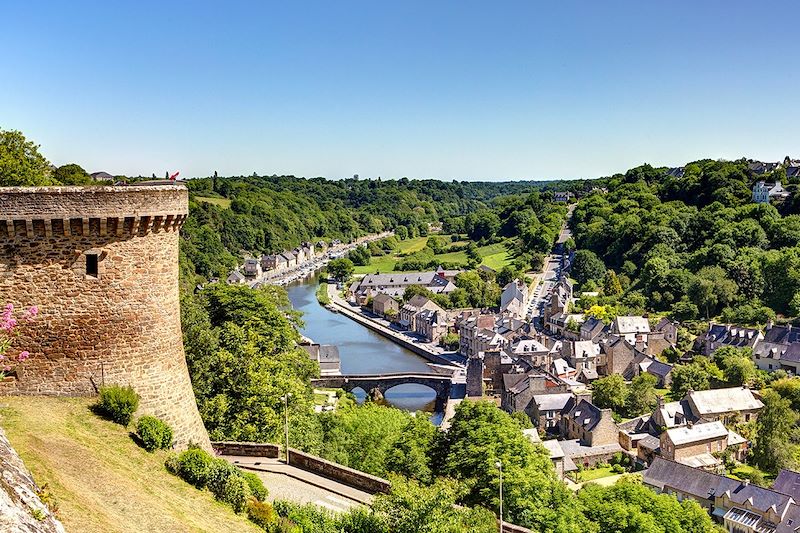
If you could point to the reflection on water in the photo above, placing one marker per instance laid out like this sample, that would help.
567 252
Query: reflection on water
362 351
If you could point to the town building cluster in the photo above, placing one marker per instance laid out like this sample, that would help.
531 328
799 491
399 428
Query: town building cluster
274 264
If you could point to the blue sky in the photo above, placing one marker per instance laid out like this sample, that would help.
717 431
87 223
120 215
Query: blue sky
451 90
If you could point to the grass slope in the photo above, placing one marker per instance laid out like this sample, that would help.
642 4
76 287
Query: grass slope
222 202
103 481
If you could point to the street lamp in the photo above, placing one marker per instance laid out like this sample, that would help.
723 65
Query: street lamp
285 400
499 465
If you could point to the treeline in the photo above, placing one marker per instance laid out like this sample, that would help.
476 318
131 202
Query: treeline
693 246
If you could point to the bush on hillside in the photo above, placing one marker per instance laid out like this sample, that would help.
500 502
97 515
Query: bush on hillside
219 470
257 487
236 492
193 466
118 403
154 433
261 513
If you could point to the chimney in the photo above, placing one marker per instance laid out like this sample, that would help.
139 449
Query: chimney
745 482
769 324
660 401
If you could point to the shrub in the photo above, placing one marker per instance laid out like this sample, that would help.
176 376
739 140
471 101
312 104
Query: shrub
618 469
173 464
219 470
194 466
260 513
155 434
257 488
236 493
118 403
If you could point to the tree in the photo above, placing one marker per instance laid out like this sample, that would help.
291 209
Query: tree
72 174
587 266
482 224
21 164
611 285
641 395
411 453
507 274
737 366
775 433
788 388
610 392
341 269
413 507
685 377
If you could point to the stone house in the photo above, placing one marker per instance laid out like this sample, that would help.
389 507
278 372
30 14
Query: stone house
582 356
562 196
291 259
476 333
631 328
269 262
385 306
778 349
252 268
719 335
694 444
409 310
617 355
591 329
235 277
533 351
514 299
432 324
547 410
396 283
739 506
726 405
327 356
589 424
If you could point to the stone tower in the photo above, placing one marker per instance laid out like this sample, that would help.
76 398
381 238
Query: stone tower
101 263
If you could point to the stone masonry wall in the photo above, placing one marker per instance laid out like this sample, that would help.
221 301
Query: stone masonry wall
121 326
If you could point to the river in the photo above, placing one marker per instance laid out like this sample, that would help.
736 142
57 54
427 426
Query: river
361 350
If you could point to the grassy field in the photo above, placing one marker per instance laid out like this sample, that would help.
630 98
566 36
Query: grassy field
222 202
102 480
594 473
495 256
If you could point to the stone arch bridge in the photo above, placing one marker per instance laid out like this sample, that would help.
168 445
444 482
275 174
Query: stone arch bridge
440 383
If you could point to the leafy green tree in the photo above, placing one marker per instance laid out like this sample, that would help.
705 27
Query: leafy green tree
685 377
20 161
341 269
413 507
737 366
788 388
587 266
482 224
641 395
776 433
610 392
71 174
411 454
611 285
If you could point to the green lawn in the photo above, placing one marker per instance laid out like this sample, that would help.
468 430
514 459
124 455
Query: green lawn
222 202
594 473
495 256
743 471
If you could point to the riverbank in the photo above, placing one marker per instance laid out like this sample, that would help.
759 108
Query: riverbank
429 353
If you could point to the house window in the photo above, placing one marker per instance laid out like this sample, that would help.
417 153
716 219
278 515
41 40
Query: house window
92 265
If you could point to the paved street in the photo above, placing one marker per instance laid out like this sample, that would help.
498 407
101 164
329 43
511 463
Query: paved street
290 483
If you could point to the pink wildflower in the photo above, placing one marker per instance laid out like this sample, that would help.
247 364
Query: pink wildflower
23 355
6 368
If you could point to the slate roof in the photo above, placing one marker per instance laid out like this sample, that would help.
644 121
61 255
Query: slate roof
655 367
382 298
696 433
524 346
552 402
709 402
631 324
782 335
586 414
788 482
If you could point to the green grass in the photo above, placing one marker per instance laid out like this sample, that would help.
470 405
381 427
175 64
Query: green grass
595 473
222 202
322 294
743 471
495 256
102 480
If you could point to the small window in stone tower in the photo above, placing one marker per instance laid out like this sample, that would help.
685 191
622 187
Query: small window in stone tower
91 265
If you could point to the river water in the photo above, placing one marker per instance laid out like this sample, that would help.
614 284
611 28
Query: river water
362 351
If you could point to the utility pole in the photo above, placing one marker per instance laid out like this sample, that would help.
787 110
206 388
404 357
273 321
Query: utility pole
285 399
499 465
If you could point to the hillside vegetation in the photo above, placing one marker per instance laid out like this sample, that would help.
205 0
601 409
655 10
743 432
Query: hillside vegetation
102 480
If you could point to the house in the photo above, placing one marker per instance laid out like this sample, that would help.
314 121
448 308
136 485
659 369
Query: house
788 482
694 444
649 365
591 329
291 259
235 277
727 405
476 333
432 324
562 196
531 350
617 356
779 349
514 299
101 176
327 356
590 434
557 305
395 284
269 262
561 463
739 506
385 306
412 307
560 367
632 328
300 255
547 410
719 335
582 355
521 389
252 268
763 192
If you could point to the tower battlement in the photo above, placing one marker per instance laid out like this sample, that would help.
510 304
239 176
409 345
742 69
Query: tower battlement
101 263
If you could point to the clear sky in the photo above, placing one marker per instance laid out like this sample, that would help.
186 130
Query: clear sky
451 90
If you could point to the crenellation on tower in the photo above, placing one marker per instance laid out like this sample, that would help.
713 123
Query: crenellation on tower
101 263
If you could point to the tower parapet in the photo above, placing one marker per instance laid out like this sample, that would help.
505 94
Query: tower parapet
101 263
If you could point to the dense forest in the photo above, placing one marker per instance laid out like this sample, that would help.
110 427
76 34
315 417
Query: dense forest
693 246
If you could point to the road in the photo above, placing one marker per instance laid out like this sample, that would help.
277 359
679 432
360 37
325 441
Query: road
545 280
293 484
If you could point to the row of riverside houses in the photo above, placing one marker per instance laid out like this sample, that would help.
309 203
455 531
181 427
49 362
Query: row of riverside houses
253 269
778 348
